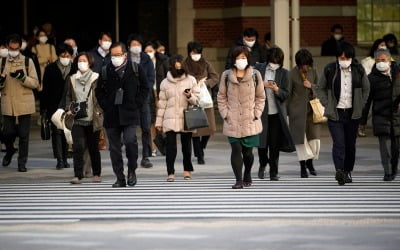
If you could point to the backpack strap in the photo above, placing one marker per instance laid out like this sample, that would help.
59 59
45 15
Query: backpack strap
3 64
255 79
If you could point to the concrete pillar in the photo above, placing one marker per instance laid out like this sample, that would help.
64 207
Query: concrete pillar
181 18
280 27
25 16
295 29
116 20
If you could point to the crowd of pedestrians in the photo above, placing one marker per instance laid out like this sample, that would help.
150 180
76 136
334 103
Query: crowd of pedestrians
116 87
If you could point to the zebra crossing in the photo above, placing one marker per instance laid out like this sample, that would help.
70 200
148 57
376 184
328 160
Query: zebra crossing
202 197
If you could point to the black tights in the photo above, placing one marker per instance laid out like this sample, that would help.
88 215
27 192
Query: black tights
241 154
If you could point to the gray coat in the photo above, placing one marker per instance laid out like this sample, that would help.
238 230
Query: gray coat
283 82
299 108
328 89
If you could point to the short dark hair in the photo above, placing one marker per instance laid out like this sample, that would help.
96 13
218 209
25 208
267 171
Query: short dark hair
134 37
105 33
159 43
119 44
237 51
304 57
174 59
275 55
63 47
194 46
390 37
346 48
14 38
150 44
88 56
250 32
336 26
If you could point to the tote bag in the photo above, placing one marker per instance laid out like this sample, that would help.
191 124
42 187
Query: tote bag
318 111
195 117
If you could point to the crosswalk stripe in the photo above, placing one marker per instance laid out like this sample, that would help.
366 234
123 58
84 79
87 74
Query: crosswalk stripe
199 198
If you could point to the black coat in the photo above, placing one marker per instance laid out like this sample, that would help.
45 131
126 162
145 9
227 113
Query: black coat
385 98
99 61
53 89
283 82
329 46
255 54
135 92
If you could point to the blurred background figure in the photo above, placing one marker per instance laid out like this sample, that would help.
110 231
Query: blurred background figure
329 46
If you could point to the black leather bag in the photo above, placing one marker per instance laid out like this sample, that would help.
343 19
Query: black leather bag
79 109
44 127
160 142
194 117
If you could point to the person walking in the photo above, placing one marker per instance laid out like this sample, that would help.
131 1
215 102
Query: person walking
121 93
275 136
305 133
54 82
385 98
18 79
203 71
241 100
81 102
177 91
343 90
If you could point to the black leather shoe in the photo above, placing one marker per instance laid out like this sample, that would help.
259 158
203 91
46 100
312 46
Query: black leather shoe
132 178
261 172
340 177
66 164
347 177
119 184
387 177
200 160
60 165
237 185
22 168
310 167
274 178
8 157
247 181
145 162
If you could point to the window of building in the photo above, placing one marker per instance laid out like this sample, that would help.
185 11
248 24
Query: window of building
376 18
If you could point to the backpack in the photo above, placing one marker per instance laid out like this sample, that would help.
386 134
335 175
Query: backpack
3 64
255 79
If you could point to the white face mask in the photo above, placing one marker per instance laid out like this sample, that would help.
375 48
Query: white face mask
117 60
274 66
383 66
337 37
241 64
162 52
83 66
23 45
3 52
249 44
13 53
196 57
65 61
105 45
43 39
135 49
382 47
345 64
151 54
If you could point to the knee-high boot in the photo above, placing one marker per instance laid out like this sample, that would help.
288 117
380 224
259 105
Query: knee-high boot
303 170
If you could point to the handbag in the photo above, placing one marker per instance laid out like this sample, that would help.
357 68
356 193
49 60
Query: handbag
80 109
44 127
102 140
318 111
160 142
206 100
194 117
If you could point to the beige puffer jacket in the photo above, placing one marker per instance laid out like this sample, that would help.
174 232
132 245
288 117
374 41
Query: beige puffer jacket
241 104
172 101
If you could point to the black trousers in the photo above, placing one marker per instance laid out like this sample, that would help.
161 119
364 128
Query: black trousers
59 143
17 126
389 150
344 135
145 125
115 142
199 144
270 154
171 151
241 154
84 137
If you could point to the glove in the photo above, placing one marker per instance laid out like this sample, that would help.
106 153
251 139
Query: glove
19 74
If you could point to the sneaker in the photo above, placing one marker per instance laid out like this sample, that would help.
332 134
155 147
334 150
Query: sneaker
75 180
146 163
200 160
96 179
